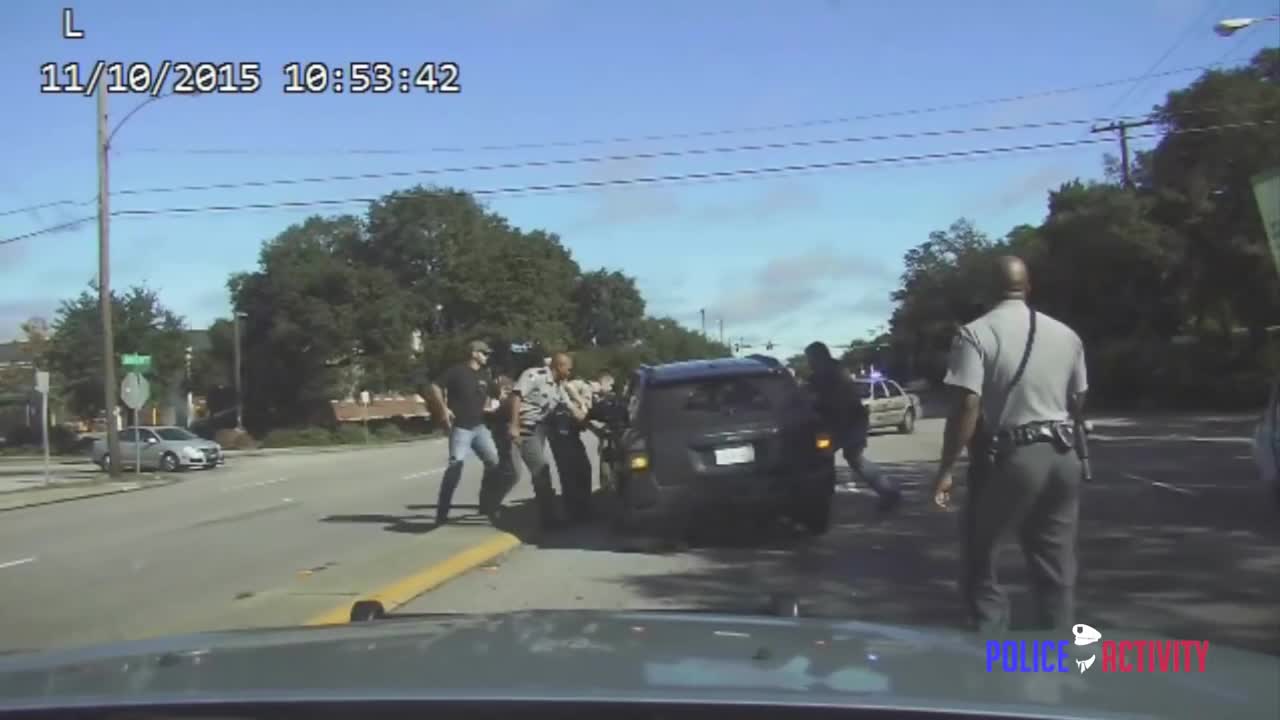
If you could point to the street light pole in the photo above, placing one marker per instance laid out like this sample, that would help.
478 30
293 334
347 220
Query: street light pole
1230 26
104 288
239 392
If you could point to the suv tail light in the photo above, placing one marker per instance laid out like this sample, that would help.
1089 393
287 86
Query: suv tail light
822 442
639 462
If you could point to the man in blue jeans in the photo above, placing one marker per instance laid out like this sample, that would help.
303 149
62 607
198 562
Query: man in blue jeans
460 397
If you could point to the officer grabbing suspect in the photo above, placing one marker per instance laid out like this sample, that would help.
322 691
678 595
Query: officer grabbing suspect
540 400
1018 379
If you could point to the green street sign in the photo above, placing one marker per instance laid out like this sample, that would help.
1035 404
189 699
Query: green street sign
138 361
1266 190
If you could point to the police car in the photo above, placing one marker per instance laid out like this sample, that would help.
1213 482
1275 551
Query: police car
887 403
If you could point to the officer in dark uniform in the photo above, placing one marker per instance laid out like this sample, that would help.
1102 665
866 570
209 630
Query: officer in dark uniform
1018 378
567 423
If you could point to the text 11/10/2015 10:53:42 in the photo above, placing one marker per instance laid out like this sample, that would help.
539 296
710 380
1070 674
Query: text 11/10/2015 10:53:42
207 77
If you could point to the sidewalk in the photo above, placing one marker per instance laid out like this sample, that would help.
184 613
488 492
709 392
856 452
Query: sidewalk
32 490
8 462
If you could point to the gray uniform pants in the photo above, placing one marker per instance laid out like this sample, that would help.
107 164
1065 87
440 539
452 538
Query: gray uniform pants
533 449
1032 494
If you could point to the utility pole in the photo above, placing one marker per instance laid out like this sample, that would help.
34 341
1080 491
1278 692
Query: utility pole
104 288
1121 128
703 314
721 331
235 321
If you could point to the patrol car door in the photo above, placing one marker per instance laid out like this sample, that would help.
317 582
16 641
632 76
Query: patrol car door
897 404
880 413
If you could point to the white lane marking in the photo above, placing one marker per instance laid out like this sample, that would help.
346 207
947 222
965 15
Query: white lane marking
15 563
1233 440
260 483
1174 488
1160 485
424 473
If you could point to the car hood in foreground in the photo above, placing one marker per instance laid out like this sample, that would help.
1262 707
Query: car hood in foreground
642 656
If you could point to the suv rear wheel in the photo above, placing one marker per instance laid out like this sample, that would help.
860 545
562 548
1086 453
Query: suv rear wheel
814 511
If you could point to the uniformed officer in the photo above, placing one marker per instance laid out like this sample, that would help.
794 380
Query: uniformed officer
539 393
1017 376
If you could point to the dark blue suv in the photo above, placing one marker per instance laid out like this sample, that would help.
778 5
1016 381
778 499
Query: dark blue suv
724 434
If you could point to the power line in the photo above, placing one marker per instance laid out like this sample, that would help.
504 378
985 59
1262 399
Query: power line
799 125
658 179
1177 43
599 159
41 206
52 229
705 175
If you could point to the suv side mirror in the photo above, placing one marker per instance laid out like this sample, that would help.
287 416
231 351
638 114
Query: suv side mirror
152 440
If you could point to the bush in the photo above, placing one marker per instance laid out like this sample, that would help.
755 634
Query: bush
298 437
351 434
235 440
388 433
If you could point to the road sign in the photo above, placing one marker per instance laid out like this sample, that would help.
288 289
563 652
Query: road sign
1266 190
42 382
134 390
136 361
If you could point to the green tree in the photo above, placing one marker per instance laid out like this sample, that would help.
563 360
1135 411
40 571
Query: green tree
1108 270
608 309
1200 183
466 271
317 325
944 283
17 383
141 324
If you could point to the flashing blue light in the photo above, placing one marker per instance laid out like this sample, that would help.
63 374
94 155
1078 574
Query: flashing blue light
877 375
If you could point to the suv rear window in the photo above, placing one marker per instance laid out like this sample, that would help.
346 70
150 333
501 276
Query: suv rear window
738 396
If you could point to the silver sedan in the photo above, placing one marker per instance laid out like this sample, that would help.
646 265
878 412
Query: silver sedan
163 448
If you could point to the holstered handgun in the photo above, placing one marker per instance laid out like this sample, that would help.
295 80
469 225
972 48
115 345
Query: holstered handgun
1081 433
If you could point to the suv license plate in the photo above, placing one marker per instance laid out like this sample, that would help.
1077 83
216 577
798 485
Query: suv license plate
735 455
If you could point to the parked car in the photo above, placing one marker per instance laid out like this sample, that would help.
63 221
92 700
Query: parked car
164 448
888 404
717 435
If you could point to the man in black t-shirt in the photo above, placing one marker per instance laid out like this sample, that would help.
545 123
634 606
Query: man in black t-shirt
841 408
460 397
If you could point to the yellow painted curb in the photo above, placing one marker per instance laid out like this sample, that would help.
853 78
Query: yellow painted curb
405 589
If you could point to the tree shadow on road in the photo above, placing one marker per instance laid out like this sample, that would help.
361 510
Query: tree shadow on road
412 523
1202 566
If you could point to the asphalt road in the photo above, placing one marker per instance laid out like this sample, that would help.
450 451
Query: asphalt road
263 540
1177 537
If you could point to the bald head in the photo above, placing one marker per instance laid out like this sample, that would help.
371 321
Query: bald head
562 365
1012 277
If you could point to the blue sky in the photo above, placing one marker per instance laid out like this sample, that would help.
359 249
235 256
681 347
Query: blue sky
790 257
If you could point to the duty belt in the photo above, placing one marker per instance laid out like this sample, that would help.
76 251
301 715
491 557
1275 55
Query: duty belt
1057 432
